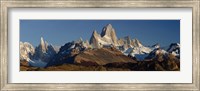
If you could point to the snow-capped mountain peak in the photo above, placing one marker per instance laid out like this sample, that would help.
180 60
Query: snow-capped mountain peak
155 52
44 51
26 51
136 49
39 56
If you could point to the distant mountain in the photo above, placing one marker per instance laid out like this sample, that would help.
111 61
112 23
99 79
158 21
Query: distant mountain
38 56
26 51
137 50
56 48
174 48
125 43
85 44
44 51
156 52
67 52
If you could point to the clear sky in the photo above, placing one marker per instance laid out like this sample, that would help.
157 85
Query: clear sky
59 32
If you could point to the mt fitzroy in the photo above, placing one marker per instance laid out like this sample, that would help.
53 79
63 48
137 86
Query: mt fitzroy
107 37
126 45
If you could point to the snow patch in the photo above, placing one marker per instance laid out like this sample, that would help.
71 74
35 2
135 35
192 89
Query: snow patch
37 63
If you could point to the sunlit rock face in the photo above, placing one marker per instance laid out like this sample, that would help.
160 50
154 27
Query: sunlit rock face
107 38
26 51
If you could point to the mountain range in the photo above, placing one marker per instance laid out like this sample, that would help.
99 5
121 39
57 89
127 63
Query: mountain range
103 49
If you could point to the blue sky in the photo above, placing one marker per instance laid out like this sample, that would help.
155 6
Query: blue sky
59 32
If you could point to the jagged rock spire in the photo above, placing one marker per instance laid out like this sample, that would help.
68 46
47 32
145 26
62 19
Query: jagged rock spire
95 33
107 30
43 44
137 43
94 40
42 41
128 39
107 37
44 51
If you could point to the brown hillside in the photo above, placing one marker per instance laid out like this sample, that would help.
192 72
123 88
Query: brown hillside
102 56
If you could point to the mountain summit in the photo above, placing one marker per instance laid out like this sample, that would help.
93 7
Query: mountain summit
107 37
95 39
126 45
43 45
109 32
44 51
